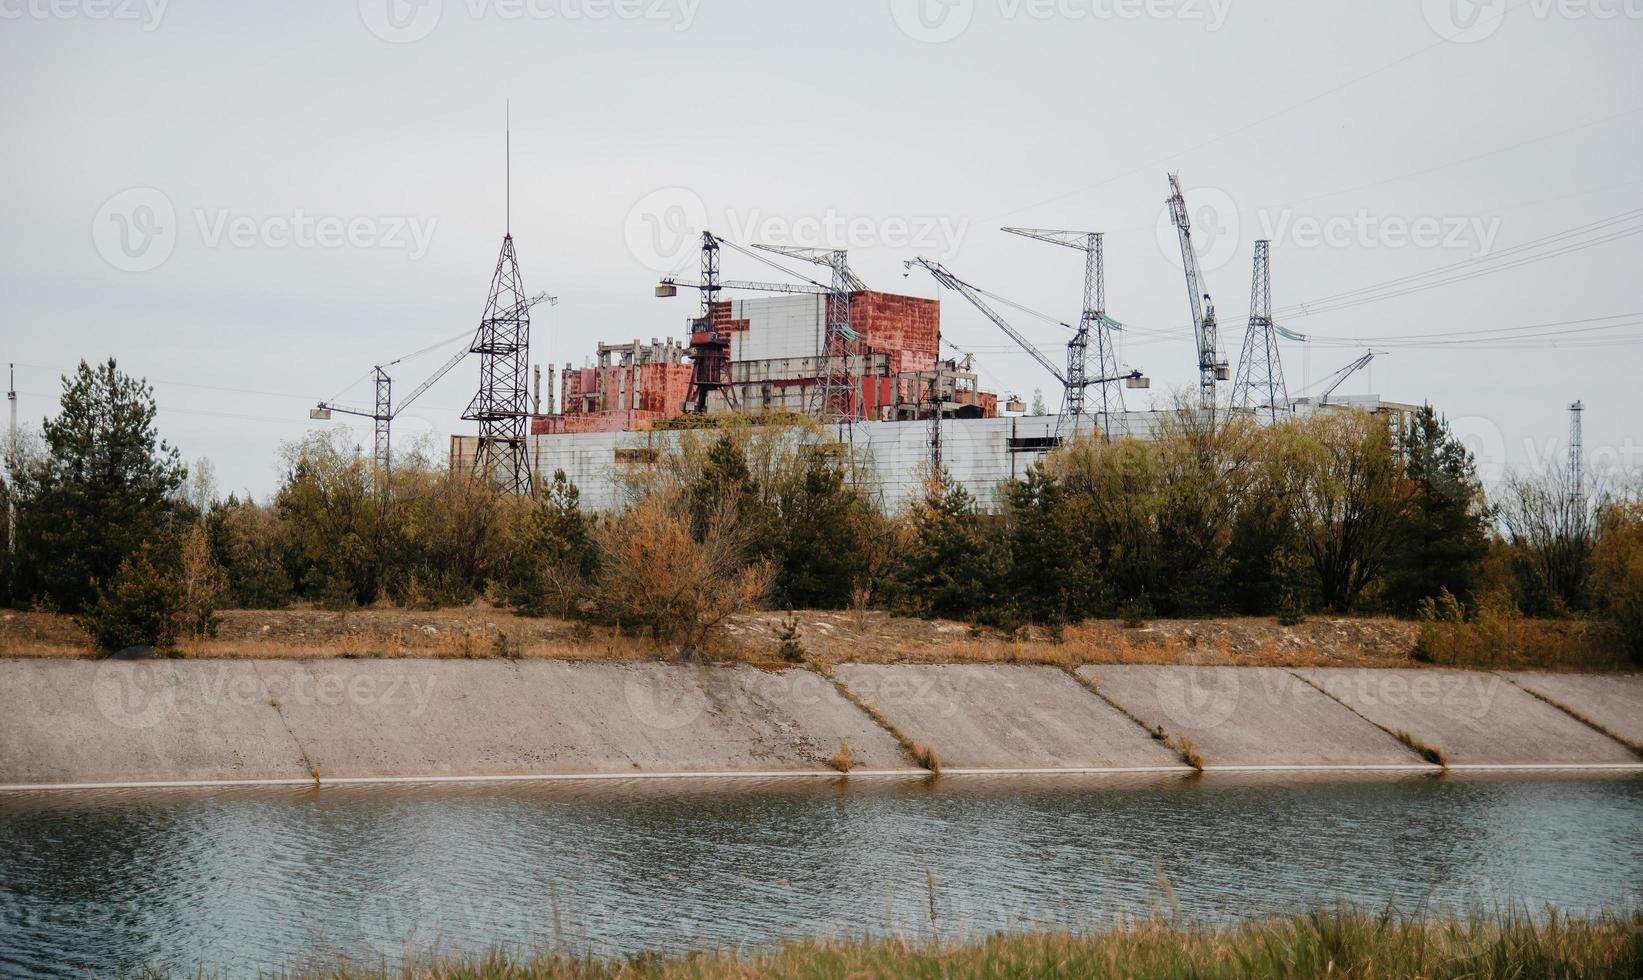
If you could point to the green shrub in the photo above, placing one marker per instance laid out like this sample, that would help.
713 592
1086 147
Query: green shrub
142 606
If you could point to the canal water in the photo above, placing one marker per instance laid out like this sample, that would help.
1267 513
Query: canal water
243 881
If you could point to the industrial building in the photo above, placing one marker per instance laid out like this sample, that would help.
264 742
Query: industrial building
775 364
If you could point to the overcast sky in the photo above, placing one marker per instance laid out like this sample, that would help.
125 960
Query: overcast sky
252 203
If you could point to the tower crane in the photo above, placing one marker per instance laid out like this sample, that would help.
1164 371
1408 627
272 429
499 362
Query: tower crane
1210 367
710 351
1132 379
836 394
385 410
1092 321
1339 377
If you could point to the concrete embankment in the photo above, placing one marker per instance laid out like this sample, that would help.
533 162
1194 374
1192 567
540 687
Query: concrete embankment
80 722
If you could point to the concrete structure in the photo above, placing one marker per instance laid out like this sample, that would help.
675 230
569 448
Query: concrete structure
1250 716
980 453
1614 701
79 722
1004 716
1474 718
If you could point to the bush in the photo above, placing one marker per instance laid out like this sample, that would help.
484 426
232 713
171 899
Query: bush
142 606
1618 579
653 572
203 585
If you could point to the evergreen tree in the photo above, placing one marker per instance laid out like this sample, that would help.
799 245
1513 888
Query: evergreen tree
1054 556
951 567
820 535
105 484
1442 533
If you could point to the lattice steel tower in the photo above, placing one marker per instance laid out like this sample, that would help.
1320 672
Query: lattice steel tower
502 404
1260 381
1093 323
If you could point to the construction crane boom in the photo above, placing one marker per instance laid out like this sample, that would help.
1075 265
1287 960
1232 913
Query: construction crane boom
972 294
1093 322
385 411
1339 377
1210 368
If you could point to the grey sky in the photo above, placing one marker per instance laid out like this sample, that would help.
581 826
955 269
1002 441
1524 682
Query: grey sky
335 181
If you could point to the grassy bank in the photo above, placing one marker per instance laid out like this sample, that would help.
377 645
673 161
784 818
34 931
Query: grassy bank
865 636
1322 943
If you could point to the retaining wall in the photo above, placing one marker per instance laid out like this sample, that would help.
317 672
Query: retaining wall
79 722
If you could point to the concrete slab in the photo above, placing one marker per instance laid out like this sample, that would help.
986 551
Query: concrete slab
82 721
1249 716
1476 718
367 718
1004 716
1614 701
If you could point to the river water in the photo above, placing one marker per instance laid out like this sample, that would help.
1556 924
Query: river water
247 880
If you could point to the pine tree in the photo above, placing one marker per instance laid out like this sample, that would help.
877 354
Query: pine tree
105 484
1442 533
951 568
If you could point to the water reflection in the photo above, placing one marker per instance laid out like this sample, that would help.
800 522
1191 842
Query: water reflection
246 880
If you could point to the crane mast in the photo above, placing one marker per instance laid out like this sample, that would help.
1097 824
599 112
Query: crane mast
1210 368
1093 322
836 394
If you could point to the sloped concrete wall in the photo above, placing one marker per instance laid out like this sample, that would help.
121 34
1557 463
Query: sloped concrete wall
75 722
1249 716
1004 716
1614 701
1474 718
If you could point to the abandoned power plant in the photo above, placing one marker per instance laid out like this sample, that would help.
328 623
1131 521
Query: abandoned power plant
817 343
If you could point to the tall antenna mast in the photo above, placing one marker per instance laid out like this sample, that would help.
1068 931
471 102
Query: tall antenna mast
507 167
503 343
1577 474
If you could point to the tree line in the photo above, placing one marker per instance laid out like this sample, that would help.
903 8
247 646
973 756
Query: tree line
1214 515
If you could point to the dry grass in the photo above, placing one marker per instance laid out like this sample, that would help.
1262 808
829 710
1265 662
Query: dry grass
1182 746
1430 753
859 635
1586 720
1326 942
842 760
922 755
